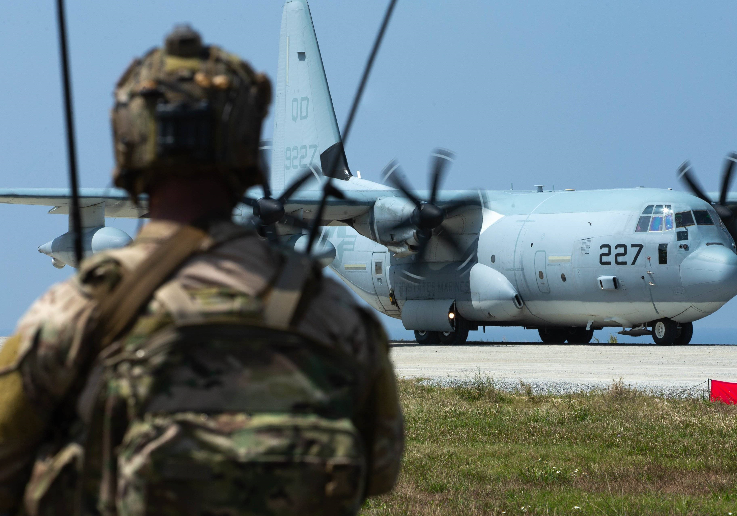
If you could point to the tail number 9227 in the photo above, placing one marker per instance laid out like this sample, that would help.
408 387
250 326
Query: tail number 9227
620 254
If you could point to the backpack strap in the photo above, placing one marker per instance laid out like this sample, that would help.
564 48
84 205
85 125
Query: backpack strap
282 301
119 309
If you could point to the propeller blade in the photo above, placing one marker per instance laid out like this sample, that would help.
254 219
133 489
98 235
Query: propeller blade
296 185
264 165
334 191
400 185
388 170
725 212
459 204
291 220
266 187
402 224
447 237
441 160
424 240
249 200
684 173
271 235
254 223
727 177
327 190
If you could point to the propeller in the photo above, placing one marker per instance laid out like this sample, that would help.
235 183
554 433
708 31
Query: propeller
267 210
726 211
428 216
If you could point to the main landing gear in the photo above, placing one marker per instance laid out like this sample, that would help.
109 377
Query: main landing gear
670 333
427 337
561 335
457 337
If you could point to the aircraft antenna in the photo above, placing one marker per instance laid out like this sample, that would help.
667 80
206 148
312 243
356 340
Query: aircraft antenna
329 189
71 150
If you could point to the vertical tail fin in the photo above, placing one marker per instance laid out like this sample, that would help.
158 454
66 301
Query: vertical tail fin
306 133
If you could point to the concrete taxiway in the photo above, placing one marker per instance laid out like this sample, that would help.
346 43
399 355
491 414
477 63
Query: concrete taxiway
570 367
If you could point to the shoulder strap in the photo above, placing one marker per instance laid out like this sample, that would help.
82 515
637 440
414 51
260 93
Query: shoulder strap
118 310
281 302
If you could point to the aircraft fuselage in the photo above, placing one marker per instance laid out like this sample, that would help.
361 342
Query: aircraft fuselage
573 259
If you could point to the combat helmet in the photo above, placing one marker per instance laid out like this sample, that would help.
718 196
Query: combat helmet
188 109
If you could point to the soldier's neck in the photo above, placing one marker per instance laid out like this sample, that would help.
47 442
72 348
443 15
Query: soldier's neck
189 200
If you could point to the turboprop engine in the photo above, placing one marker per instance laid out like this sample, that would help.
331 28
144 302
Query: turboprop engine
381 223
96 237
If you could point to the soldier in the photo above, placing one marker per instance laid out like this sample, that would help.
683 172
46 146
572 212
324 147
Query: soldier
198 371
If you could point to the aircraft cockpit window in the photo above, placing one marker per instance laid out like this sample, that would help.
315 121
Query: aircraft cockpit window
703 218
684 219
642 224
656 224
657 217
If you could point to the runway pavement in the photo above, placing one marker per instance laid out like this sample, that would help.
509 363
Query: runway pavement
560 368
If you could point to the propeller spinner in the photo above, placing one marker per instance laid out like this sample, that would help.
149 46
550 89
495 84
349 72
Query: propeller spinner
267 211
726 211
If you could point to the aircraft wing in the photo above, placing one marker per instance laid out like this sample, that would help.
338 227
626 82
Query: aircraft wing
117 201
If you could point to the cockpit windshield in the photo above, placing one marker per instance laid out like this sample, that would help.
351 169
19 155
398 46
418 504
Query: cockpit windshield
655 218
684 219
703 218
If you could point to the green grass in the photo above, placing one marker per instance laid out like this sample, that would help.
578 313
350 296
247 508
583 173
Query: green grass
473 449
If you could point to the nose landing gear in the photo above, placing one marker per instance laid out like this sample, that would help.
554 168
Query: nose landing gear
669 333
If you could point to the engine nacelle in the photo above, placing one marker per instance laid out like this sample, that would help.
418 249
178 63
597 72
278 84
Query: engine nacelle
94 240
493 297
378 224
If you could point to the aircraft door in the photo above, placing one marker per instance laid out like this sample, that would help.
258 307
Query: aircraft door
380 279
541 272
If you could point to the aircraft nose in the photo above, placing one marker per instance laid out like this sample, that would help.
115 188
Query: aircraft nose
711 270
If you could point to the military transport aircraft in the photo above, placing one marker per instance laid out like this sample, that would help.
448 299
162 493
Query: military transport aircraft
445 262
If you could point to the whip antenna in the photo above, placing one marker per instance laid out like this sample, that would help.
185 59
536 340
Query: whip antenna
71 151
329 189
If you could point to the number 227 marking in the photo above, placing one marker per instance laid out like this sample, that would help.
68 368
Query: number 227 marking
621 254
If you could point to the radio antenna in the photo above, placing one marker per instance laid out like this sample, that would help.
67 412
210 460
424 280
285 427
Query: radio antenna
74 213
329 189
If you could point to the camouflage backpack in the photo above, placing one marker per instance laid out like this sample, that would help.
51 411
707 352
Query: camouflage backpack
203 411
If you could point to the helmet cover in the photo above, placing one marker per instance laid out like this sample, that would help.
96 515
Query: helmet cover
187 110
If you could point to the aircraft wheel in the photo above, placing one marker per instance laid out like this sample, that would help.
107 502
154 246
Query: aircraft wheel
552 335
665 332
426 337
684 337
580 335
457 337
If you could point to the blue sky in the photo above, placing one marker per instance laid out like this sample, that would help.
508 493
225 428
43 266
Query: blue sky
568 94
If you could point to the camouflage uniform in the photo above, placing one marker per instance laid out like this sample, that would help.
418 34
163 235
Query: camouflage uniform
306 421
